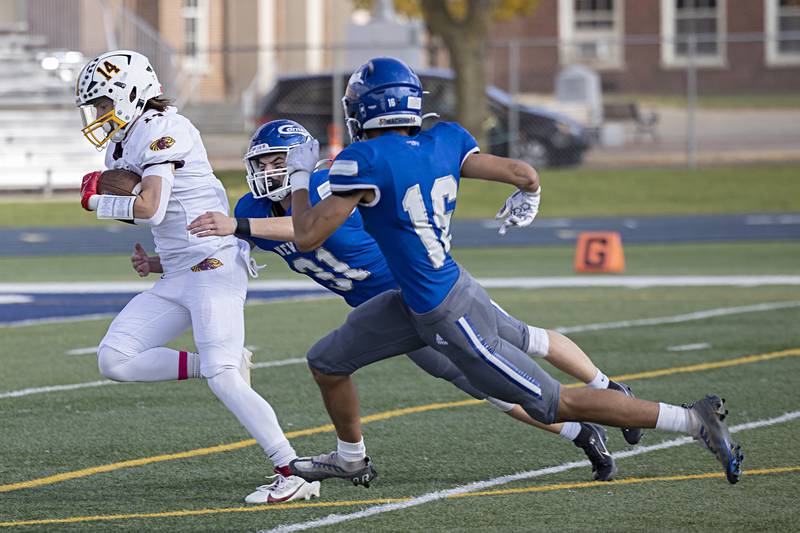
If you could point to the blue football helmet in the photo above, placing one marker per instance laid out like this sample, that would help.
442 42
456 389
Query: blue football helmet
382 93
275 137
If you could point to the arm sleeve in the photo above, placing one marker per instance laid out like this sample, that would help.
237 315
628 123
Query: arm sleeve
163 200
352 171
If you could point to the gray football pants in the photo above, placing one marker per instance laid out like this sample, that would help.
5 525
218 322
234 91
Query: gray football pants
465 327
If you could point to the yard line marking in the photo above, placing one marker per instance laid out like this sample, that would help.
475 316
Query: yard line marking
280 362
82 351
689 347
543 282
57 388
328 428
351 503
56 320
15 299
688 317
502 480
699 315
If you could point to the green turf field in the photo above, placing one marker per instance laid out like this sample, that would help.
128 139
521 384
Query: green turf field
567 193
416 453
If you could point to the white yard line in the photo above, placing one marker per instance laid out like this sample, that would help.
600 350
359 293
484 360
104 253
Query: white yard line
492 283
6 299
482 485
55 320
689 347
56 388
699 315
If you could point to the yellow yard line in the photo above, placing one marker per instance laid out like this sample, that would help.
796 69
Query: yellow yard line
386 415
380 501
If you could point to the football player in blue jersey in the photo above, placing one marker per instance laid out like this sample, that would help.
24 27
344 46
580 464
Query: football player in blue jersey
404 183
350 264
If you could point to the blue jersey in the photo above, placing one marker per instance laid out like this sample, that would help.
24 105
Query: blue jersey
348 263
415 180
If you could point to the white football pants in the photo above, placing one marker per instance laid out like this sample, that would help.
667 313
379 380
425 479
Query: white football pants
212 303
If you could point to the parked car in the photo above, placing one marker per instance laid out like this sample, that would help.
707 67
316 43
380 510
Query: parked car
546 138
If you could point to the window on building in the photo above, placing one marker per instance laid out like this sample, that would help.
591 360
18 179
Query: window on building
591 32
195 34
701 21
782 22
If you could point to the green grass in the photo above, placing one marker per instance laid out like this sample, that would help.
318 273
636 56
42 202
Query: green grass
566 193
680 259
790 101
57 432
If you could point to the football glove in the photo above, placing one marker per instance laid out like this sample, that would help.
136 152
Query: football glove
519 210
300 163
89 189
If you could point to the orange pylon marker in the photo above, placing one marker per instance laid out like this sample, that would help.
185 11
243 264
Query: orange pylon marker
599 251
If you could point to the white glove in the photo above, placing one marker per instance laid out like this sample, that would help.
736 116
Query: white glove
300 163
519 210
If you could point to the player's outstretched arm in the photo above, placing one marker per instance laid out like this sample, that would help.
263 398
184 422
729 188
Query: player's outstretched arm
503 169
313 225
215 223
522 206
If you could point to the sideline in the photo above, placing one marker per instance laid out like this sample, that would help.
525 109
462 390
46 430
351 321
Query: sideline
386 415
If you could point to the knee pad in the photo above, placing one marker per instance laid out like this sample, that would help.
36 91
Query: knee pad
110 362
538 342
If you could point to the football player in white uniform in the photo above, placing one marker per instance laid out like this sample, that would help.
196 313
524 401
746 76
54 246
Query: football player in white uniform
204 281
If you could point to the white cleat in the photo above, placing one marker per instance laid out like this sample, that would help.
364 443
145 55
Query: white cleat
284 489
247 364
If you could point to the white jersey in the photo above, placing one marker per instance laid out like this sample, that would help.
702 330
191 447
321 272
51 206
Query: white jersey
166 137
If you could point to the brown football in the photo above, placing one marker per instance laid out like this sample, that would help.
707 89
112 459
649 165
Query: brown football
118 182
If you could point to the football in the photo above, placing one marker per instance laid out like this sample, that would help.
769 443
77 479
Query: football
119 182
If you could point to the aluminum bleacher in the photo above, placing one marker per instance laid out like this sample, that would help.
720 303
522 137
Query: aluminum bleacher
41 147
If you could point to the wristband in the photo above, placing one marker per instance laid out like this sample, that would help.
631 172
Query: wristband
300 180
242 227
115 207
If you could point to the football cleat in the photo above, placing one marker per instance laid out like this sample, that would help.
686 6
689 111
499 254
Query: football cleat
632 435
247 364
713 434
592 439
330 465
284 489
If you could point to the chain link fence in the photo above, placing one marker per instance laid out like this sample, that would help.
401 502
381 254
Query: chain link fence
690 101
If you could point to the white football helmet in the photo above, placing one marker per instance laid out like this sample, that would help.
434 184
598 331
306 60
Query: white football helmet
124 76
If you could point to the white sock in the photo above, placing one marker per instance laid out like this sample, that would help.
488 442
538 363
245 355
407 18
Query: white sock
351 451
254 413
677 419
500 404
570 430
538 342
600 381
155 364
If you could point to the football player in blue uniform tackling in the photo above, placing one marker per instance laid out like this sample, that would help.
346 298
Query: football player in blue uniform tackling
350 264
404 183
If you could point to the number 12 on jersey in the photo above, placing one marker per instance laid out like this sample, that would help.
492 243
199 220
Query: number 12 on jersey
444 190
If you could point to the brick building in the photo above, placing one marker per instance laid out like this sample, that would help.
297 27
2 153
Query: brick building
642 46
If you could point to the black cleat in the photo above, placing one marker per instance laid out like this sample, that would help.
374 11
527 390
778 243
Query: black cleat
592 439
713 435
632 435
330 465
